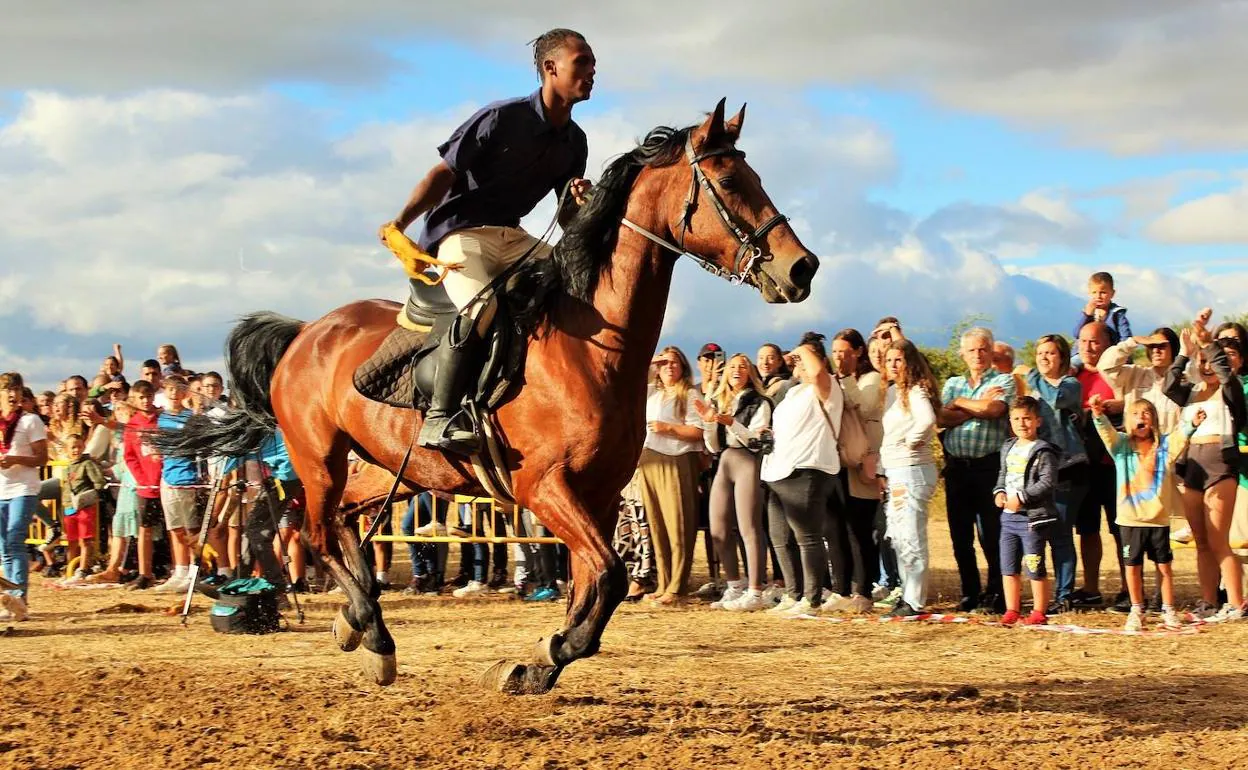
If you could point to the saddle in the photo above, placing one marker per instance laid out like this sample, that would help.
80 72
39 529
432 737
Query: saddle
400 372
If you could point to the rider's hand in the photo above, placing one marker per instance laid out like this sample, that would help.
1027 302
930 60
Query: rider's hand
381 231
579 189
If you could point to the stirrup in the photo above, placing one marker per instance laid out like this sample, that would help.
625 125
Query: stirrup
444 433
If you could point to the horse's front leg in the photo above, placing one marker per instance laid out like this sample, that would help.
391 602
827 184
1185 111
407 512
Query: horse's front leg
599 583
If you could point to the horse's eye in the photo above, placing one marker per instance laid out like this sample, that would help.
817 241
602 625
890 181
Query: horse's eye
728 183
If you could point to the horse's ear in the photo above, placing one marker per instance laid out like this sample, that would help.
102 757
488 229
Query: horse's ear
712 131
732 129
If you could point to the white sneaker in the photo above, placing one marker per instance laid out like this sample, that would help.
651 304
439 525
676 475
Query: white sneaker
834 603
473 588
1170 619
432 529
748 602
773 594
1135 621
785 604
878 592
860 605
1228 612
731 594
172 586
890 601
800 608
1182 534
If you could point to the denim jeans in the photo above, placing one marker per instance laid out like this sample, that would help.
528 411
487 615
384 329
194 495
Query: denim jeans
15 516
910 489
423 556
481 552
1062 538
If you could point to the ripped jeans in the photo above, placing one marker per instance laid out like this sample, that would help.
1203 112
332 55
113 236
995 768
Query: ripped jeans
910 489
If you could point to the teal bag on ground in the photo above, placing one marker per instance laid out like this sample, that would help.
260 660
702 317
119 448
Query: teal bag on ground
246 606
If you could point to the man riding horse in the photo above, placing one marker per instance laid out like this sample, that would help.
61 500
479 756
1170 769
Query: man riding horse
495 168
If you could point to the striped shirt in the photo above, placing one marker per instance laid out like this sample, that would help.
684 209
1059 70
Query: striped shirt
977 437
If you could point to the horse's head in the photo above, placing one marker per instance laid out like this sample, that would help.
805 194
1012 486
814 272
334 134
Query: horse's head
728 222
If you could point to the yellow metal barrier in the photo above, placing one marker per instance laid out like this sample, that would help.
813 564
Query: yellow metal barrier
483 510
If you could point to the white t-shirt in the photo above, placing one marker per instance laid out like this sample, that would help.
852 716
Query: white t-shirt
659 408
22 480
803 438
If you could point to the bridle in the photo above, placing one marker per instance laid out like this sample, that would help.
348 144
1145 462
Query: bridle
749 257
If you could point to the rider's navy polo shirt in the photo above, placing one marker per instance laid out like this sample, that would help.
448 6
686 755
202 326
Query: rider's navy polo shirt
506 158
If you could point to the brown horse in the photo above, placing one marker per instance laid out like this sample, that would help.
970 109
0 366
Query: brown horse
574 431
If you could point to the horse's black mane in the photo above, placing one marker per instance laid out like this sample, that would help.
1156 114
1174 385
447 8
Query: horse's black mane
589 238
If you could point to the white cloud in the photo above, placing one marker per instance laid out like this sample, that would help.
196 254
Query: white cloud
1134 76
1216 218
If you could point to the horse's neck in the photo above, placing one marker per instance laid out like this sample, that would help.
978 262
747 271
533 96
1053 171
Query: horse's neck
629 303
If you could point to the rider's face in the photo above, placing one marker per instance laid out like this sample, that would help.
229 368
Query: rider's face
571 69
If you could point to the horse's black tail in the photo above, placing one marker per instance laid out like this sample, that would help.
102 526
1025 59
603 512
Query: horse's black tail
252 351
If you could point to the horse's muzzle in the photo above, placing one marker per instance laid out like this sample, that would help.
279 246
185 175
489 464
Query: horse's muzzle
788 281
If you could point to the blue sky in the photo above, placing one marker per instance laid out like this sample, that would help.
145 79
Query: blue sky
166 177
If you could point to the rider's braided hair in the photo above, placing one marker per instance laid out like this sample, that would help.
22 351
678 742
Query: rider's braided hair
549 42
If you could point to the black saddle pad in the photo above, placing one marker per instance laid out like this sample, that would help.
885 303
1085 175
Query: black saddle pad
388 375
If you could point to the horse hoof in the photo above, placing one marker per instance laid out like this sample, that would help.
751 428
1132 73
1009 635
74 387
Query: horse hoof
544 653
382 668
504 677
346 636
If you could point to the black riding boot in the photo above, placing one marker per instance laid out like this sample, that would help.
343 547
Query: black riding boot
447 425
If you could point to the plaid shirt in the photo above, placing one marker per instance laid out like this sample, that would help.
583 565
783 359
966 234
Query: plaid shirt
977 437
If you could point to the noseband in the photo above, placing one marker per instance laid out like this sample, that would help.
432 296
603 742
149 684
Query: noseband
749 254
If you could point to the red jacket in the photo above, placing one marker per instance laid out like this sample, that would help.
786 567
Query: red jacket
141 460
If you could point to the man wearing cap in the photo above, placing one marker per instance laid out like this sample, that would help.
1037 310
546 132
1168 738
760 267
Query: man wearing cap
710 368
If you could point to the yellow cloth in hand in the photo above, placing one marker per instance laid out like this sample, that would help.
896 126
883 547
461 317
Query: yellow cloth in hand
413 258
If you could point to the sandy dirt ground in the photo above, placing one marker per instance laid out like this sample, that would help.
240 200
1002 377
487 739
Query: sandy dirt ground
672 688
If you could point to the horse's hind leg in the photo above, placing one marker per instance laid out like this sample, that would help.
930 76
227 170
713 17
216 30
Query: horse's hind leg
324 476
599 583
380 662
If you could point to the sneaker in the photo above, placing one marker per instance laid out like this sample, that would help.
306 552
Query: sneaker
1171 620
707 590
1010 617
785 604
1228 612
800 608
173 585
890 601
140 583
903 610
859 605
968 604
1058 607
834 602
79 576
1036 618
749 601
773 594
12 608
543 594
498 579
878 592
300 586
1182 535
1154 604
1122 604
1204 610
731 594
461 580
432 529
1135 621
1082 600
474 588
